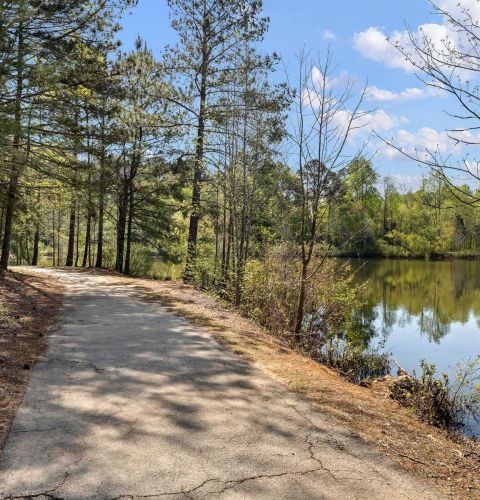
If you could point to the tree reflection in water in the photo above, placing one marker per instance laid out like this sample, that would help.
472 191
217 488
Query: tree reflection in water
429 296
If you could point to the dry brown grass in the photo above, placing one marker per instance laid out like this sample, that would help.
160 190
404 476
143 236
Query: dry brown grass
29 306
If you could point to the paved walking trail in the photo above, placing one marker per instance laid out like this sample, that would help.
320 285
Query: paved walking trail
132 401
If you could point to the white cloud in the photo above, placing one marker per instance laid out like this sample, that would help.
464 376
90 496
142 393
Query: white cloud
421 144
410 94
316 76
379 121
455 7
341 79
312 94
376 45
329 35
373 44
403 182
407 182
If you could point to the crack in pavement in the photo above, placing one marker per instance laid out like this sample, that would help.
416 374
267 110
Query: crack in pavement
131 429
340 446
49 429
49 494
101 371
311 452
228 484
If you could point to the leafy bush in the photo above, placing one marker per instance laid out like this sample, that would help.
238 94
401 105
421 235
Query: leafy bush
271 289
109 257
440 401
206 277
141 260
353 361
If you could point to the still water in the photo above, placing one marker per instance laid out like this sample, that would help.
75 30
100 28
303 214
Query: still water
421 310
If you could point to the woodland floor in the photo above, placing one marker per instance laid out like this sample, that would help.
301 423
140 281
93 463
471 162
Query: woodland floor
359 419
29 306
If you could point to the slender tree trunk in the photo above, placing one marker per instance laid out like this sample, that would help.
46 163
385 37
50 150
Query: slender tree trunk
2 216
229 254
36 241
129 230
71 235
188 275
217 230
91 253
15 164
77 238
27 248
53 239
86 250
101 214
121 225
59 243
101 202
88 236
224 239
301 304
241 255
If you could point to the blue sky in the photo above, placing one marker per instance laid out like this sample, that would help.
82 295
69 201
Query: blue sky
403 108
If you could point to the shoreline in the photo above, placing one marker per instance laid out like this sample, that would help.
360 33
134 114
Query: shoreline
431 258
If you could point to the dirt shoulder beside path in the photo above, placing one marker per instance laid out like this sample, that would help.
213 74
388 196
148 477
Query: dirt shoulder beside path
449 465
29 306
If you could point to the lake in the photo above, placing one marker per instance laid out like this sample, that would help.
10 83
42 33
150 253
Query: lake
421 310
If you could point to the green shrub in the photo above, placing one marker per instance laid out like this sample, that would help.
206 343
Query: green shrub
271 289
141 260
109 253
353 361
439 400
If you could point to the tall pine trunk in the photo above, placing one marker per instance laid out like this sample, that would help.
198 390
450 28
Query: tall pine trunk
101 201
188 275
15 164
129 231
71 235
121 225
88 230
53 239
36 242
77 237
